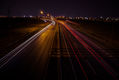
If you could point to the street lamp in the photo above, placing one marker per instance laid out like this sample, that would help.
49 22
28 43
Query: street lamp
41 12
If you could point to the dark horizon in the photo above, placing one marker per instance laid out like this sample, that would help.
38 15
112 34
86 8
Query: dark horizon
73 8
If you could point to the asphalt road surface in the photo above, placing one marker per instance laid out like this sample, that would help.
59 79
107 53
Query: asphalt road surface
59 52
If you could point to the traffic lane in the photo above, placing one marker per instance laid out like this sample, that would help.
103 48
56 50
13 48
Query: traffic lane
70 59
60 66
107 56
32 61
68 72
93 61
77 67
53 71
68 69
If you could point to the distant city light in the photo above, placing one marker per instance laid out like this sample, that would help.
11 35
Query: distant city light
30 16
86 18
24 16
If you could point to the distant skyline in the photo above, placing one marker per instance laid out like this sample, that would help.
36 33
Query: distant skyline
89 8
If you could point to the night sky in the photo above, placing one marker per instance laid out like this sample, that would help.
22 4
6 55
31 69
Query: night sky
89 8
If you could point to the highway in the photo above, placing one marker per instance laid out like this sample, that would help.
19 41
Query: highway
59 52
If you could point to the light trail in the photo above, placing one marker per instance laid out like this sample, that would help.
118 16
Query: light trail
76 57
70 56
99 59
87 40
50 48
60 58
95 55
17 50
82 57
